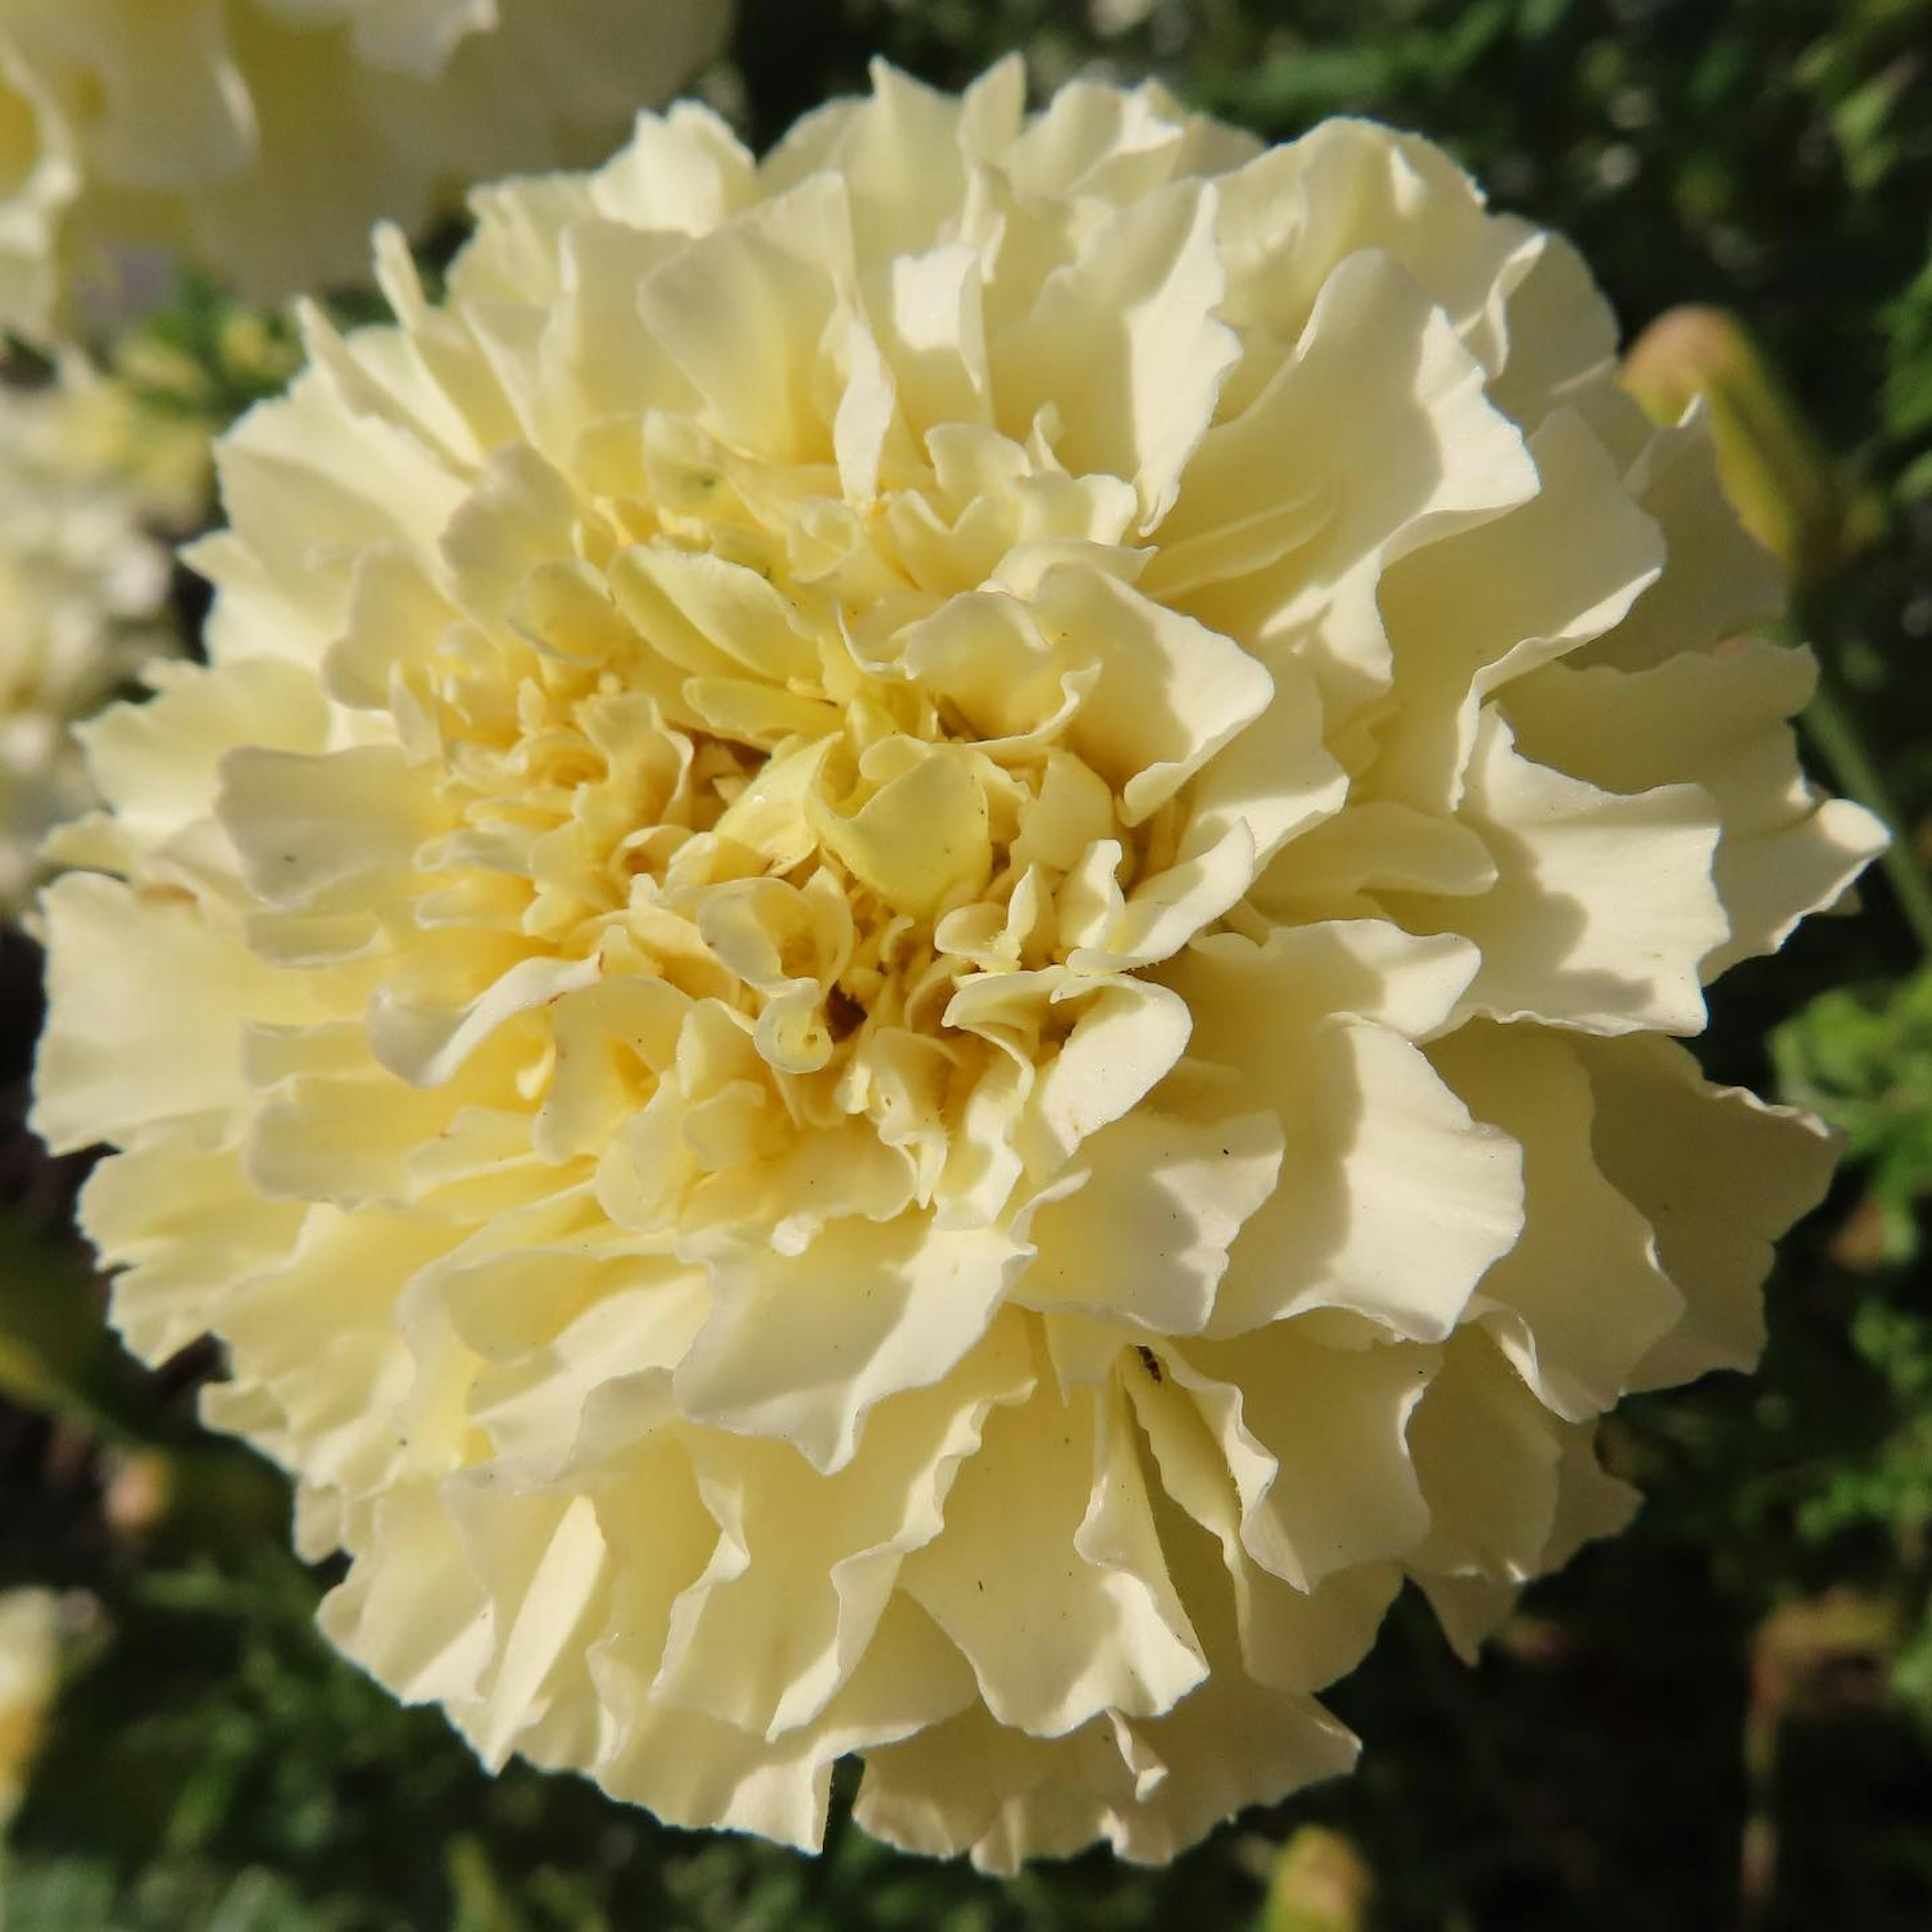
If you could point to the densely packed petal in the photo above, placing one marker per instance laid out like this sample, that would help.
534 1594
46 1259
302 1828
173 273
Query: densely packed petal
904 985
263 136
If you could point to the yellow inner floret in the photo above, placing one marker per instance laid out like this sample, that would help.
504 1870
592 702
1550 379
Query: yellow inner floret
823 766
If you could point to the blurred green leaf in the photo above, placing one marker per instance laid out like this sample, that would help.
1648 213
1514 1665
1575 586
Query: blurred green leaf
1862 1061
54 1352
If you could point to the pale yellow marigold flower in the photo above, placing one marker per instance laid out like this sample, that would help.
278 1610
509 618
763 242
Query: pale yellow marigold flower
262 137
81 585
908 985
29 1674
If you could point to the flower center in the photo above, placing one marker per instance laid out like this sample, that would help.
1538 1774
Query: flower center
802 759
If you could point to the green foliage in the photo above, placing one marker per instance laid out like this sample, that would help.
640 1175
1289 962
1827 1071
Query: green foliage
201 355
54 1352
1862 1060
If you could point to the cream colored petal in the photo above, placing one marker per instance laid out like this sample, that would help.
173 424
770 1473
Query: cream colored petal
1338 867
517 515
612 1039
1232 1744
1556 572
1107 142
1126 345
1471 1609
803 1346
1718 719
742 310
1170 695
1720 583
157 763
315 1331
805 1565
1486 1455
684 172
1555 336
1287 1412
1756 1169
1150 1787
146 1007
1290 1638
332 1124
384 377
1512 1491
1604 908
177 1217
426 1045
1048 1576
1403 461
933 333
1274 784
1352 1224
1119 1048
985 651
1276 778
309 485
923 841
318 831
971 1784
705 613
1293 214
691 1770
903 148
616 1321
1581 1299
1146 1234
410 1611
173 109
541 1561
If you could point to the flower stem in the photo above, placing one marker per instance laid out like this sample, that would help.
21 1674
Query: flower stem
1834 730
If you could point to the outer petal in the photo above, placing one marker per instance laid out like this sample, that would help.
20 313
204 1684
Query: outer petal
1758 1168
1581 1298
1718 719
1604 909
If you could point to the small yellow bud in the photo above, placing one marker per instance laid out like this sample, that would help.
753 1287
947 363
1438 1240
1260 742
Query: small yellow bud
1320 1883
150 364
1787 488
140 1490
29 1673
252 351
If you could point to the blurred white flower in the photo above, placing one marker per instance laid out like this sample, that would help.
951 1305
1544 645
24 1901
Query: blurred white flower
29 1675
262 137
81 587
905 987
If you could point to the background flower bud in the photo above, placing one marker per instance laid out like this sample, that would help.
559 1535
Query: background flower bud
1789 492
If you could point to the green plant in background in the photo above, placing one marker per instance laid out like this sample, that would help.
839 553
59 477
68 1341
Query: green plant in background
1862 1059
1726 1719
202 358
